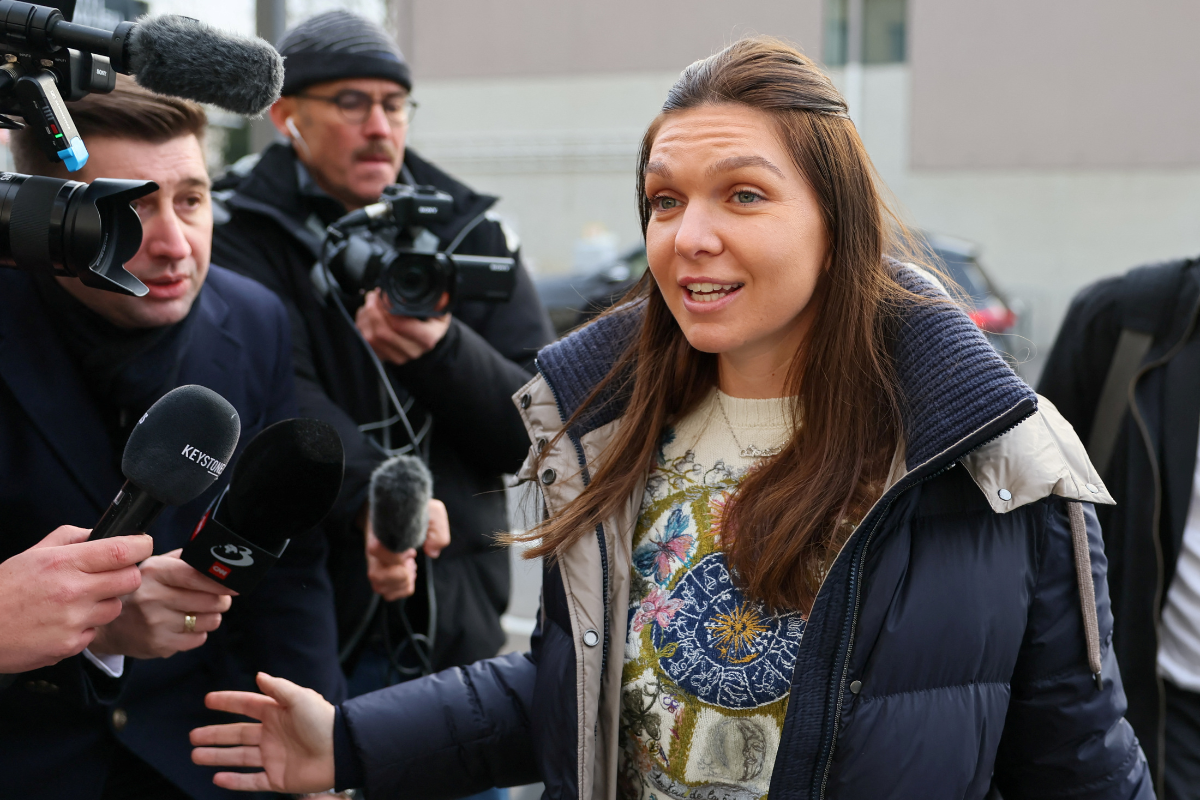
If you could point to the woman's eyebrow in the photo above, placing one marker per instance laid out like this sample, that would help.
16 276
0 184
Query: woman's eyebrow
658 168
737 162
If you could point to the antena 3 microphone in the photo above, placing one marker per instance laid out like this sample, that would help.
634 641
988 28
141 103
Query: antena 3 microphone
177 450
400 492
283 484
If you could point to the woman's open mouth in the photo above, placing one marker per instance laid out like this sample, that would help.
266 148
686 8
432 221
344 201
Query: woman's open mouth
711 292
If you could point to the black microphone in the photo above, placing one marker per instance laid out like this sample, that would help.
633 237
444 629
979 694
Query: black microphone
283 484
400 492
176 451
183 57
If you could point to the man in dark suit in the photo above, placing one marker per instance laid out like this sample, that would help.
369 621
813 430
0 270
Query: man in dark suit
78 367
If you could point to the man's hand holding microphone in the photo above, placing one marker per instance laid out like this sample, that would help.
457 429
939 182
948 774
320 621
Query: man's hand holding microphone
65 594
394 575
58 593
400 518
173 610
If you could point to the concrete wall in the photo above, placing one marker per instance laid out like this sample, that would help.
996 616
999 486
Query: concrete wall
494 38
1044 232
1028 84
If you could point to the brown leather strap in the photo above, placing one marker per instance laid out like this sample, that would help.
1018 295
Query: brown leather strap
1132 347
1087 589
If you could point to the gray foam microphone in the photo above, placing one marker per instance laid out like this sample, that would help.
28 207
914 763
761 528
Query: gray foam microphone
183 57
401 488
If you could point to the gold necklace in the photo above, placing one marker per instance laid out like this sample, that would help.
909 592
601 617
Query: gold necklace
749 451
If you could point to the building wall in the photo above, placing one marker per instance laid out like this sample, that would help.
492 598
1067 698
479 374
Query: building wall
494 38
1026 84
1044 231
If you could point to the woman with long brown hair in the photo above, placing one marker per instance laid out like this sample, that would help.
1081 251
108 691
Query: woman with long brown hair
806 533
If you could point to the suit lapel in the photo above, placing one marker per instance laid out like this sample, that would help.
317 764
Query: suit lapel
211 351
35 367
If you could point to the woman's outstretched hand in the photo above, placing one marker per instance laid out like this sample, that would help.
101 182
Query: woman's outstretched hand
292 741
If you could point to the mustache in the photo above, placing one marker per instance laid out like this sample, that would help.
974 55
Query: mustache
385 149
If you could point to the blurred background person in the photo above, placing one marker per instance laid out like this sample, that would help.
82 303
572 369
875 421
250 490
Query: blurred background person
345 113
78 368
1125 371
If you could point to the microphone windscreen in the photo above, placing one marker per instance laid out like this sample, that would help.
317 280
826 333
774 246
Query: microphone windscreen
400 491
184 57
182 444
284 482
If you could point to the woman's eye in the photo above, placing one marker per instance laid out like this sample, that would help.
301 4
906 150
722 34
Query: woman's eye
666 203
746 197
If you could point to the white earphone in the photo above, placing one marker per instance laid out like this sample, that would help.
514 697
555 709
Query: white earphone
296 137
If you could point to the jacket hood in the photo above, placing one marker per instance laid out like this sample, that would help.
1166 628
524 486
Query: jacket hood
959 395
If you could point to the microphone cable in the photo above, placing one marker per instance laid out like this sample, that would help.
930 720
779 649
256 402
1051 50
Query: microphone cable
419 443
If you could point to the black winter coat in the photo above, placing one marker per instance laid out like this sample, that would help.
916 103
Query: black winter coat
273 235
1153 463
945 655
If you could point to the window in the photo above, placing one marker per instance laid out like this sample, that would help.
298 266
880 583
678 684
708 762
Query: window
882 31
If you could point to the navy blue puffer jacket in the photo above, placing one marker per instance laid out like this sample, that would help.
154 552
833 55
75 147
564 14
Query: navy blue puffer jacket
947 654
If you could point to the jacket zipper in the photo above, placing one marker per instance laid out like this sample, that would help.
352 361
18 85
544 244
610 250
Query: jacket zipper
1156 522
856 570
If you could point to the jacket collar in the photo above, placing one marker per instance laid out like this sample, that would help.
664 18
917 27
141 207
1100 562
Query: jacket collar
49 388
273 188
958 392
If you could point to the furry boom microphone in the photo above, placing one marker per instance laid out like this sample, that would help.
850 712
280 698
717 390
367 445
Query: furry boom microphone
400 491
184 57
173 55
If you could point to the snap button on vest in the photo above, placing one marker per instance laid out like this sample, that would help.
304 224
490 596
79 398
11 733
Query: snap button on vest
1005 495
1091 487
591 638
119 718
525 401
855 687
541 444
548 477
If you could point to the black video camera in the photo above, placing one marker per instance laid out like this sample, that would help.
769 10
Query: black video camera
386 245
48 224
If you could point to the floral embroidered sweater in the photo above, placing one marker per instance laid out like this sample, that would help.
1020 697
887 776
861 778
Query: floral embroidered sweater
707 672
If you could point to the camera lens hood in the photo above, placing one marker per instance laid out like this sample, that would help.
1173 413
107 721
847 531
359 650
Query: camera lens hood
79 230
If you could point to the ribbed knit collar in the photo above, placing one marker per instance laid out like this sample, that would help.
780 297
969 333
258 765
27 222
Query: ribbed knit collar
954 385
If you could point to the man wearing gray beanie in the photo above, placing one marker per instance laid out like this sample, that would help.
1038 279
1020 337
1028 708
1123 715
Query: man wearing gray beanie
345 113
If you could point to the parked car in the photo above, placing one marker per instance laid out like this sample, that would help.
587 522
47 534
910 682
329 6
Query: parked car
574 299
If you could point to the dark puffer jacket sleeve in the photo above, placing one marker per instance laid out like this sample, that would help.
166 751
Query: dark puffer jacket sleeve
452 734
1063 737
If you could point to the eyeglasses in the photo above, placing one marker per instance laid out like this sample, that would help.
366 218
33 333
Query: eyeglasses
356 106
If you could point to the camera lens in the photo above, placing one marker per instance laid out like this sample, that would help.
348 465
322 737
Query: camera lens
86 231
415 282
411 282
